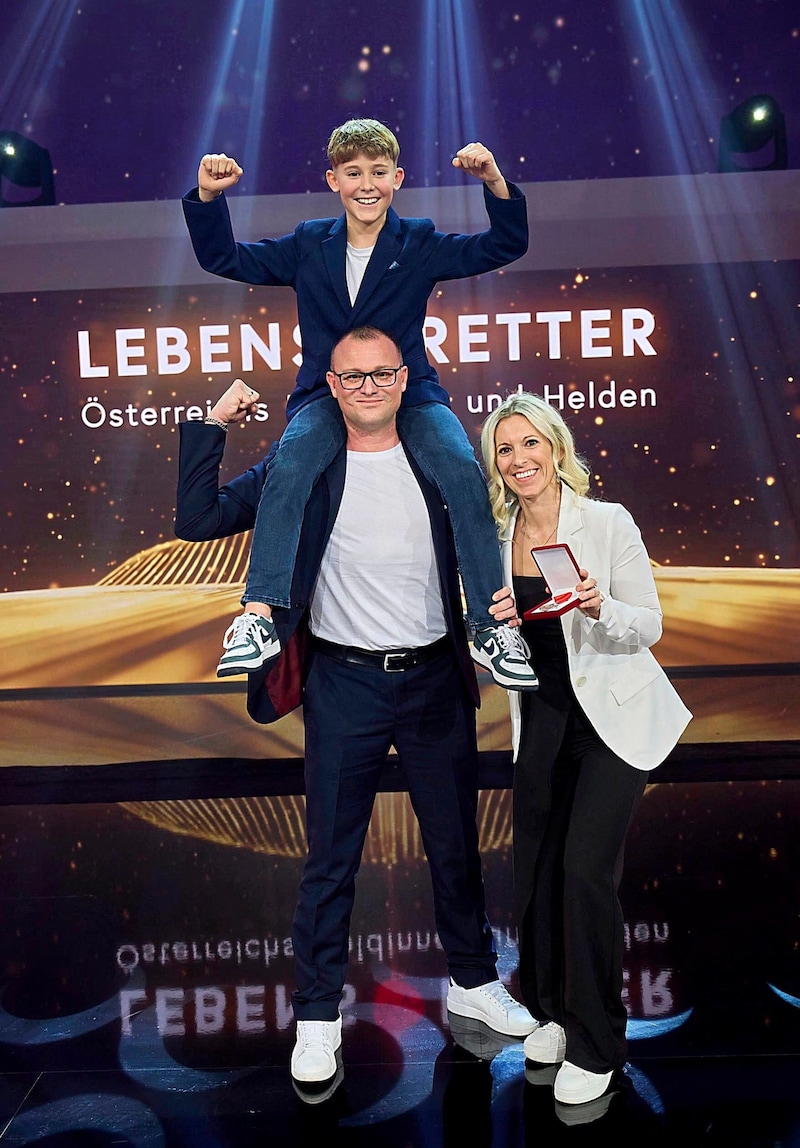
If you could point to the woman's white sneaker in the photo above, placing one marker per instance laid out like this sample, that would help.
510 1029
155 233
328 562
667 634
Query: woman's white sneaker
547 1044
575 1085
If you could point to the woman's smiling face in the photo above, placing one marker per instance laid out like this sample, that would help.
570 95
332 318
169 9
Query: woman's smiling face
524 457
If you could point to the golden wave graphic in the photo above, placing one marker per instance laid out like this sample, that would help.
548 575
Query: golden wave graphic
178 563
275 826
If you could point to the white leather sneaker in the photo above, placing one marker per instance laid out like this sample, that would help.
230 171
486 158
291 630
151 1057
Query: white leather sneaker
547 1044
314 1056
503 651
575 1085
249 642
493 1004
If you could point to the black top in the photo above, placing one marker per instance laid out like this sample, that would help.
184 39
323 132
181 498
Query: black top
551 713
546 640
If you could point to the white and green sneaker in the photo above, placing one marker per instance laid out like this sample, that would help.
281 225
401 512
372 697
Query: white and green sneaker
503 651
249 642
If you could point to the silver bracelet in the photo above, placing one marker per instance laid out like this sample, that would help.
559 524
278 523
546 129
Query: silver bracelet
211 422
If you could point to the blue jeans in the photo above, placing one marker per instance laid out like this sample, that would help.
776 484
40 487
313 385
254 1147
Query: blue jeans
440 446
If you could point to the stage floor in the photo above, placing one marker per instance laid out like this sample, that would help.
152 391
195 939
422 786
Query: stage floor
146 973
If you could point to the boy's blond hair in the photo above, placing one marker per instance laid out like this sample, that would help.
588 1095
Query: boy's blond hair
367 137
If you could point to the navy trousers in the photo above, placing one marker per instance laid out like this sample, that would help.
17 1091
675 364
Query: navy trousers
353 715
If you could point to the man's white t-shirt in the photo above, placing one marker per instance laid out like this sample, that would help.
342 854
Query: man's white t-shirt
378 586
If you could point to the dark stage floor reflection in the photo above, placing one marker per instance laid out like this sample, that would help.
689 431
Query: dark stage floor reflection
146 972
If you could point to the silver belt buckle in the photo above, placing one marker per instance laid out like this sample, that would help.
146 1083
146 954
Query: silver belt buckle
388 667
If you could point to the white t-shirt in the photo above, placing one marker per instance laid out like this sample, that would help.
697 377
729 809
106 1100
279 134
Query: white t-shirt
356 265
378 585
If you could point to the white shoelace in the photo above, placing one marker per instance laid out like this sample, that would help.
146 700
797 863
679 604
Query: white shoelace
316 1036
240 628
500 995
512 642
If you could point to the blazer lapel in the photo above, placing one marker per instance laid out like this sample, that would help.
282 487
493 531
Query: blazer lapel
387 247
436 512
570 523
444 551
506 543
334 254
334 478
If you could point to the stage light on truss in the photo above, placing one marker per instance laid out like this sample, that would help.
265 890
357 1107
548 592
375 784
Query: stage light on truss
25 164
753 137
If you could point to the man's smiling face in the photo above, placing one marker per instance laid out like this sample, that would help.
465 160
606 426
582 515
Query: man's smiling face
369 411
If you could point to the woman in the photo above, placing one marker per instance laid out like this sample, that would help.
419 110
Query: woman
604 714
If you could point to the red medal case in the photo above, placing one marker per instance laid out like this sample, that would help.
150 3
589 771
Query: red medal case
561 573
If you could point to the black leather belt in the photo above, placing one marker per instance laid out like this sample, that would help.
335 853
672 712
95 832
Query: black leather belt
392 661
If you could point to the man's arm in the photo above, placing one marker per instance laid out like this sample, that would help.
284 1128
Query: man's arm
204 510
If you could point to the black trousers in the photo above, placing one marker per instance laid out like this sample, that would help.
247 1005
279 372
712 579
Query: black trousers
353 715
572 809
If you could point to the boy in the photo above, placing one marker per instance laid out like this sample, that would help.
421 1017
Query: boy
368 267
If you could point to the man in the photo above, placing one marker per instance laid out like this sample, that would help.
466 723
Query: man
375 629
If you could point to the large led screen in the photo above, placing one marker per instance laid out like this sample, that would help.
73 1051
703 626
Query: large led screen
660 317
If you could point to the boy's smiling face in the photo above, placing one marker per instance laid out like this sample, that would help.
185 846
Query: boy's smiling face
366 187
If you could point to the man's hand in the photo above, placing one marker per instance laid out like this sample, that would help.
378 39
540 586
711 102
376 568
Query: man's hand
236 404
478 161
217 172
504 608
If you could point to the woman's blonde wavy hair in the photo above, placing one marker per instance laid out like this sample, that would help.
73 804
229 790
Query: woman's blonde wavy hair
570 468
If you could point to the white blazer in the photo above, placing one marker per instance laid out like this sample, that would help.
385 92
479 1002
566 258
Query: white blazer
619 684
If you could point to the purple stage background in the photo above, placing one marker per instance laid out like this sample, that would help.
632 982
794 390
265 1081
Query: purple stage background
128 96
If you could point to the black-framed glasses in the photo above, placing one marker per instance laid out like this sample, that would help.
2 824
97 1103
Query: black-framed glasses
381 377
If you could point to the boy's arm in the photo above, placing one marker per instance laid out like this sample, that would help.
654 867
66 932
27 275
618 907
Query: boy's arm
270 262
216 173
459 256
477 160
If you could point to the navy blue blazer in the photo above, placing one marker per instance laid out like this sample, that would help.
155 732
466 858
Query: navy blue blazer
409 259
206 511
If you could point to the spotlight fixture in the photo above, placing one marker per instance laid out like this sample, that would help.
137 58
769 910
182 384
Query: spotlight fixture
753 137
24 164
